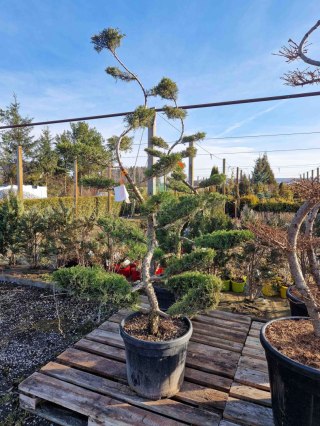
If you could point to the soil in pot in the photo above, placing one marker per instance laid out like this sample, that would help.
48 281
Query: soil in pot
169 328
155 364
293 355
296 340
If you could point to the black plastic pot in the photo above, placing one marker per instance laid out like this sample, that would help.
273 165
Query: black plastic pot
295 388
165 297
155 370
297 306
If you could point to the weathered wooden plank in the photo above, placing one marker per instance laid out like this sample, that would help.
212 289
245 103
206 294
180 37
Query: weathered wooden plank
222 333
60 415
216 342
251 377
224 323
248 393
253 363
202 396
253 342
91 404
230 316
113 339
94 364
200 356
170 408
28 402
254 333
254 353
109 326
227 423
207 379
247 413
257 325
196 337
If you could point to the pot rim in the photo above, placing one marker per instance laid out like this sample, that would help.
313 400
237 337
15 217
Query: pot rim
156 345
295 364
294 298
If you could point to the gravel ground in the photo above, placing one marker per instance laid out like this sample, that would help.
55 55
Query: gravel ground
30 338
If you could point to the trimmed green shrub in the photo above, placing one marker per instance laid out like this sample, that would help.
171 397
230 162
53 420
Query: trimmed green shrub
197 260
86 205
95 284
224 240
196 292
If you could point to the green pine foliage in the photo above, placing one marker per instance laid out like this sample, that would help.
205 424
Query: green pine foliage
174 113
164 165
98 182
166 89
95 284
109 38
140 117
117 74
197 260
159 142
195 292
224 240
213 180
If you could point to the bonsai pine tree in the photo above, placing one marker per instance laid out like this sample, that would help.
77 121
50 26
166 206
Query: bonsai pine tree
168 162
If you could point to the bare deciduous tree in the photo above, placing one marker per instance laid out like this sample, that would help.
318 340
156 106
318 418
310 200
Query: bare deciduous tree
295 51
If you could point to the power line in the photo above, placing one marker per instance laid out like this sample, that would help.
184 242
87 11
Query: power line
194 106
263 135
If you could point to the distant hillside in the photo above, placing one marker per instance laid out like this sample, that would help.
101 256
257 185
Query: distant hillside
285 180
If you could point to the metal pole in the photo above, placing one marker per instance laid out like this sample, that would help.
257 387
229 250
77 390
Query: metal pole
312 174
20 172
304 175
307 175
191 166
151 160
318 174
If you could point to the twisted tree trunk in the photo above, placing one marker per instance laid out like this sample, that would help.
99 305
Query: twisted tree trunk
295 268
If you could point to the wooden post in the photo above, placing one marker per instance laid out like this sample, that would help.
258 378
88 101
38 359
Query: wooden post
318 174
224 172
20 172
109 192
304 176
312 174
307 175
151 159
75 187
237 194
191 167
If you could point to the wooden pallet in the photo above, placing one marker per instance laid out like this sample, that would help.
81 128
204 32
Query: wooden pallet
87 385
249 401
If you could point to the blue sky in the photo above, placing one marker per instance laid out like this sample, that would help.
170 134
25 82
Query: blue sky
213 50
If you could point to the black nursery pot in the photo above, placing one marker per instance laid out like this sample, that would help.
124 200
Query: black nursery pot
295 388
155 370
297 306
165 297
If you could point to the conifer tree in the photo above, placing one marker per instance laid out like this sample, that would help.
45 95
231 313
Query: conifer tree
12 138
262 172
46 159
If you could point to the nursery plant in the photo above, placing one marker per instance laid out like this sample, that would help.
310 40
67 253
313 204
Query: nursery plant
163 359
292 345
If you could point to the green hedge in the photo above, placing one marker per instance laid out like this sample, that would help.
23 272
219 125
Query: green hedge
276 207
86 205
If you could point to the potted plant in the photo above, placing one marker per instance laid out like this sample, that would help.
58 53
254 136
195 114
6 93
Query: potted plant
238 284
156 342
292 345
